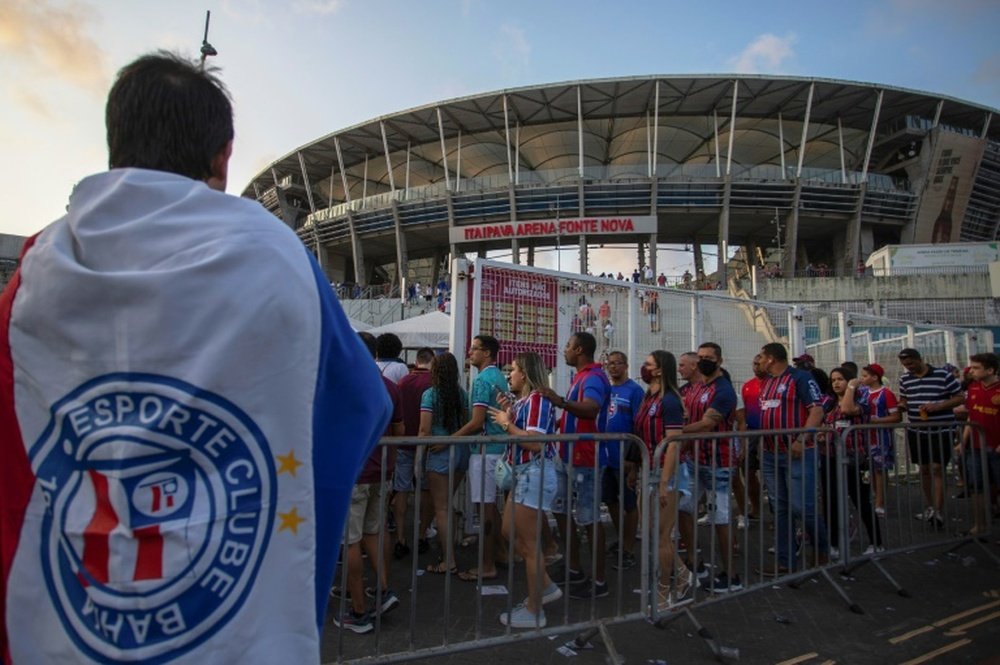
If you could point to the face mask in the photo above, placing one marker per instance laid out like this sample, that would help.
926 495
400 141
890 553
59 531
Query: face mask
707 367
646 374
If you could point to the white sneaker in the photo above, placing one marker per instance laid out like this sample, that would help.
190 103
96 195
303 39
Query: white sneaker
879 511
871 549
704 520
521 617
834 553
926 515
550 594
741 522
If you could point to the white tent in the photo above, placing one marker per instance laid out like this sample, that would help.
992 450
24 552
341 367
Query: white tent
432 329
358 326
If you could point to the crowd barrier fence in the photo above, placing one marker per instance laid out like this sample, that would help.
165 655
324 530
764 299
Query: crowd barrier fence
815 490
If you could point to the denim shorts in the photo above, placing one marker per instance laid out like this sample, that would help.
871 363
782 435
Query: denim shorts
439 462
585 502
680 482
402 478
715 485
530 484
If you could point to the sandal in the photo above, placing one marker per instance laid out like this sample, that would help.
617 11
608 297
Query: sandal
440 568
401 550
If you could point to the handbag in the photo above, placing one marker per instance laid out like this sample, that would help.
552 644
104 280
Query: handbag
503 475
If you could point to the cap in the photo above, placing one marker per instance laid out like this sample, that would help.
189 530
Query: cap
875 369
804 359
909 353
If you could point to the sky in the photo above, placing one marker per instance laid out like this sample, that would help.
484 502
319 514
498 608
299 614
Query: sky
300 69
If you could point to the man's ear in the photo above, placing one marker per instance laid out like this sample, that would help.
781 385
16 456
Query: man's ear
220 168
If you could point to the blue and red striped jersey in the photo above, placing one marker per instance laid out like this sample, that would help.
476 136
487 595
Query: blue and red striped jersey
720 396
589 383
656 416
785 401
533 413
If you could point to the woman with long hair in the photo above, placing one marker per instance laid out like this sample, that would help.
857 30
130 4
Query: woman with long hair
443 410
533 464
662 416
851 409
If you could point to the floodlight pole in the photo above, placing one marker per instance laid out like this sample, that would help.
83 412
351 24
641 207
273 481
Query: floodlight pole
206 48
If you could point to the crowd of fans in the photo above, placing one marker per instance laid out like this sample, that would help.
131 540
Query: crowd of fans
720 475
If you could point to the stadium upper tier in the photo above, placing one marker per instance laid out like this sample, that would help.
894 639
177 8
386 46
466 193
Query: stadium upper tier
694 159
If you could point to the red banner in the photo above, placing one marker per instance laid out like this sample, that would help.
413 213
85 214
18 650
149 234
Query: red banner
520 309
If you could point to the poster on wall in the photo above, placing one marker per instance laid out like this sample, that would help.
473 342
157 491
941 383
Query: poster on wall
520 309
952 171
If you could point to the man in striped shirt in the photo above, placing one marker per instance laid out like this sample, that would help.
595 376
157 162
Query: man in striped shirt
790 399
928 395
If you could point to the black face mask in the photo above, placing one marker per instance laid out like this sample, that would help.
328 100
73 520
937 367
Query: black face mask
707 367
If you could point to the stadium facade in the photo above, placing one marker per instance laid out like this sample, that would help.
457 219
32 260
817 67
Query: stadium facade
825 171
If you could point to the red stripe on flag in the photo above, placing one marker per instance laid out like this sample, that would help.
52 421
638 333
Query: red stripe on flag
97 535
16 479
149 560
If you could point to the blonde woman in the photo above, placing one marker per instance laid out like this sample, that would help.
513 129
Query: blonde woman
534 483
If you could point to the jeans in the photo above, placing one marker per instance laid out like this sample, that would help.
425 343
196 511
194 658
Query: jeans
792 483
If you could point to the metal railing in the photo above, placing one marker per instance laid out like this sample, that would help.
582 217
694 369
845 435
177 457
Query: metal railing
826 490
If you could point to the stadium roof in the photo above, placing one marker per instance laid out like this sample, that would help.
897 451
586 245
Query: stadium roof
615 130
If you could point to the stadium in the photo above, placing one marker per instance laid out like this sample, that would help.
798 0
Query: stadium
794 170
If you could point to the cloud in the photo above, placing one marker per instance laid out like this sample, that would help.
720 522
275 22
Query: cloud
317 6
34 103
51 42
512 50
766 52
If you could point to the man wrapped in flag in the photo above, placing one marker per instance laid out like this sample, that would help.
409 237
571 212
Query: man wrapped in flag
184 407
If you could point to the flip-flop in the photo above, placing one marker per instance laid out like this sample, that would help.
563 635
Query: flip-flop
439 569
472 575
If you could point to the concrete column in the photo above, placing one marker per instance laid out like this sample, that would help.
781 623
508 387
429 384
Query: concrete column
699 260
402 260
583 254
723 243
360 277
788 262
531 255
853 254
642 255
652 255
454 250
515 251
436 268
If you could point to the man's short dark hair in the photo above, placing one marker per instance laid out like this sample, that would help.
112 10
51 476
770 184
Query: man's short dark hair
712 345
369 340
587 343
166 113
425 356
987 360
388 346
776 351
490 344
620 354
909 353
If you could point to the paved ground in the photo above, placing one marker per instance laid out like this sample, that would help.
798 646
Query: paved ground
952 616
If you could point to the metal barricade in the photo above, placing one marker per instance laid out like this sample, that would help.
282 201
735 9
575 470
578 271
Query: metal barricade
466 625
826 491
923 506
833 503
